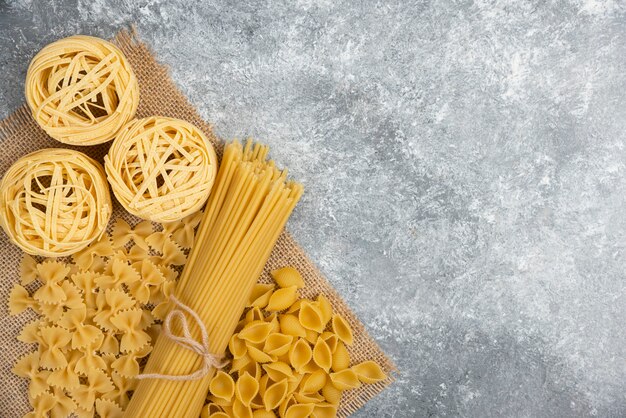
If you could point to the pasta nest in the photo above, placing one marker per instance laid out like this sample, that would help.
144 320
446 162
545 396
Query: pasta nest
161 169
54 202
81 90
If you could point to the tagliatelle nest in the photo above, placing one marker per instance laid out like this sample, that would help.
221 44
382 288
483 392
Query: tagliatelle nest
54 202
81 90
161 169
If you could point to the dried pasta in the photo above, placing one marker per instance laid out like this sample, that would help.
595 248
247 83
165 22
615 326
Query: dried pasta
161 169
81 90
54 202
304 362
95 324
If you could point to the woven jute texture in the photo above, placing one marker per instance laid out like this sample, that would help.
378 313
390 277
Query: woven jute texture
20 135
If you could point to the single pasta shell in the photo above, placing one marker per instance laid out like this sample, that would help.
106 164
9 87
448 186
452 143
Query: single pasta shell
369 372
246 388
341 358
287 277
222 386
259 356
237 346
331 339
331 393
325 307
282 299
342 329
299 410
278 371
260 295
300 354
310 316
308 397
345 379
290 325
324 410
275 394
256 331
277 344
322 355
314 382
240 410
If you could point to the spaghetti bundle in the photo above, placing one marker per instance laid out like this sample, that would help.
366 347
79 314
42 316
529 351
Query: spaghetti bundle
246 212
54 202
161 169
81 90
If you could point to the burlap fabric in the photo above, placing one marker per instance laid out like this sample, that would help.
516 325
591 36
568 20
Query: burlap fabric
20 135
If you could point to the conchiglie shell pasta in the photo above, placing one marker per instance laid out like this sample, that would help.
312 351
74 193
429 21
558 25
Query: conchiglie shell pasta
278 371
324 410
299 410
262 413
369 372
345 379
322 355
313 382
275 394
341 358
310 316
308 398
259 356
246 388
287 277
342 329
255 331
331 393
260 295
282 299
290 325
326 308
237 346
240 410
300 354
277 344
222 386
331 339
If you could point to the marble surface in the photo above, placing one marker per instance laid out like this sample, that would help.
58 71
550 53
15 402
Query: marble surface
465 170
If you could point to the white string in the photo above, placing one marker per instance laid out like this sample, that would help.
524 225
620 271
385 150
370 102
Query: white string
188 342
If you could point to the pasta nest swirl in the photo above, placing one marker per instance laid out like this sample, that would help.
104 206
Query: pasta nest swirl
161 169
81 90
54 202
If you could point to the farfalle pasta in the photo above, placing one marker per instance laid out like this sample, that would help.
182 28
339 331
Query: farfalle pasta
96 320
288 357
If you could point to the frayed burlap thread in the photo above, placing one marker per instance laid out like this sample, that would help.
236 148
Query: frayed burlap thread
20 135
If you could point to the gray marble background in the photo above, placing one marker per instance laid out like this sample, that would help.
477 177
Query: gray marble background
465 170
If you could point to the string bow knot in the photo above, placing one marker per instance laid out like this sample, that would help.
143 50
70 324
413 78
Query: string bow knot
187 342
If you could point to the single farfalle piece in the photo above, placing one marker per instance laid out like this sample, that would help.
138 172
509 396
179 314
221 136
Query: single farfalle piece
183 232
97 383
53 340
28 270
161 169
73 296
42 405
107 408
109 303
123 385
51 273
127 365
173 255
30 333
81 90
20 300
151 277
82 334
90 359
129 323
28 367
54 202
86 282
123 233
86 259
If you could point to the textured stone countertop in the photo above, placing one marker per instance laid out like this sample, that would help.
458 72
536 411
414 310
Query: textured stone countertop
465 167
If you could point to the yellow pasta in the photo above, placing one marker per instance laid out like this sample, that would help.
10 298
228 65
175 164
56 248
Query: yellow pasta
299 410
281 299
300 354
322 355
278 371
277 344
275 394
128 322
325 308
20 300
314 382
260 295
255 331
54 202
246 388
345 379
28 270
341 358
324 410
161 169
290 325
310 316
369 372
331 393
122 234
287 277
108 409
222 386
81 90
342 329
